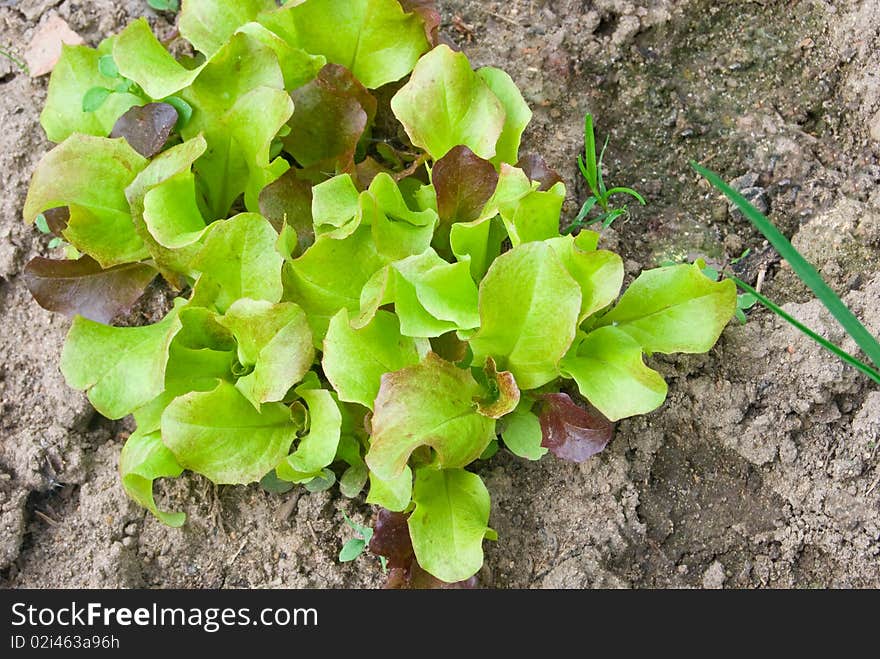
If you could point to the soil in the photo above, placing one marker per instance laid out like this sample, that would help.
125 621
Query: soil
762 469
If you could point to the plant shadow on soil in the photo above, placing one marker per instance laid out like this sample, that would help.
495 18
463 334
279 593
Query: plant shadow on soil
759 469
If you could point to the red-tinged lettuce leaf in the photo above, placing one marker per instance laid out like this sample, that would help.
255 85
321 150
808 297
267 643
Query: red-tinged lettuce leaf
464 183
429 404
57 219
288 201
427 11
537 169
391 540
83 288
571 432
504 394
147 128
330 116
415 578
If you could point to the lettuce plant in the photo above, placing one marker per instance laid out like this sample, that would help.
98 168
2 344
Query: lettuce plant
371 284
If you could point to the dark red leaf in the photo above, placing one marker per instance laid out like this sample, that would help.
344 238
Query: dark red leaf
571 432
146 128
289 199
391 539
330 116
57 219
537 169
427 11
464 183
82 288
418 579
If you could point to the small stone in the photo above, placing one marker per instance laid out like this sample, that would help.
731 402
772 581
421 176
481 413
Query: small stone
714 577
128 541
756 196
131 529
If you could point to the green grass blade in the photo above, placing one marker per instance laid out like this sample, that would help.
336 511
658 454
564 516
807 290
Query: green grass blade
603 192
825 343
628 191
808 274
590 153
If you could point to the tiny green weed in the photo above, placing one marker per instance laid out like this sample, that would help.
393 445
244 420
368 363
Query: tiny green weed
591 169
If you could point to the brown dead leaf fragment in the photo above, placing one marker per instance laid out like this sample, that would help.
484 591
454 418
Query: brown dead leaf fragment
44 50
571 432
147 128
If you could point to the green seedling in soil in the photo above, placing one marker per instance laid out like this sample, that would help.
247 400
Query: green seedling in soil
353 549
374 292
15 59
164 5
590 166
810 277
356 546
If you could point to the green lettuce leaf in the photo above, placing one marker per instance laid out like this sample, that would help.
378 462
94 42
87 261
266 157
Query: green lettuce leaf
518 114
208 24
297 66
220 435
478 243
274 340
608 368
336 207
449 523
239 103
522 433
535 216
318 448
445 104
430 404
121 368
239 260
73 76
144 459
431 297
398 231
529 307
355 360
395 494
141 58
674 309
374 39
599 273
89 176
330 275
164 208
